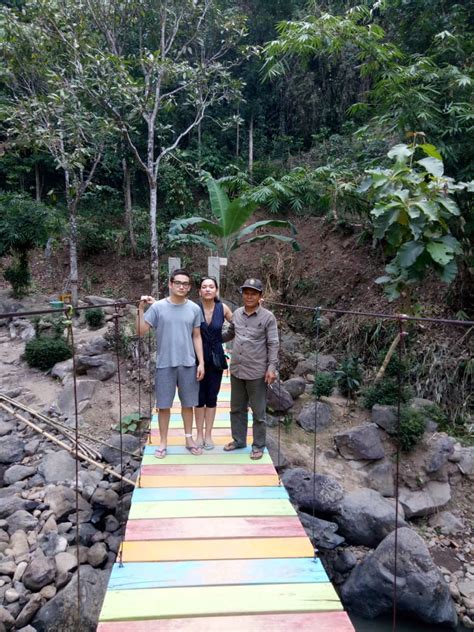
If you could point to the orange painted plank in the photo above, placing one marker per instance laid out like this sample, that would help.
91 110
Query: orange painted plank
209 481
284 622
215 549
200 469
201 528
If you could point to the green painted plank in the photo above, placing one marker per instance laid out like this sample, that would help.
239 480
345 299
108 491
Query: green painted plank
206 458
215 600
203 508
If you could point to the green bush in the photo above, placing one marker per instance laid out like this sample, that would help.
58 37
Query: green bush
43 353
349 376
395 365
324 384
412 427
95 317
384 393
19 277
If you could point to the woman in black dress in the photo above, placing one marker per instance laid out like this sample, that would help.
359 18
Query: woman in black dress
214 312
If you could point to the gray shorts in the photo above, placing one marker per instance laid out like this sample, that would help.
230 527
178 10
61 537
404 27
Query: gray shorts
183 377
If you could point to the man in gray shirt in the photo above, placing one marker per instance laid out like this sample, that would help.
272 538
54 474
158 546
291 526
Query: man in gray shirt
177 322
252 368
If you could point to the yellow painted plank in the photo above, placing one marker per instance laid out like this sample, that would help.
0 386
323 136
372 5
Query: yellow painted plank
212 549
214 600
206 481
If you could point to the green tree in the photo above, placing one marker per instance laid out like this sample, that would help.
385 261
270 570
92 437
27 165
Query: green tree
158 70
47 107
227 230
23 226
413 208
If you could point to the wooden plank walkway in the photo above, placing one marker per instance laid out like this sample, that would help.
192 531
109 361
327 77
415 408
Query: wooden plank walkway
213 543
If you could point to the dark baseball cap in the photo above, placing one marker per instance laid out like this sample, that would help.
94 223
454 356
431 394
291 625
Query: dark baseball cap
252 284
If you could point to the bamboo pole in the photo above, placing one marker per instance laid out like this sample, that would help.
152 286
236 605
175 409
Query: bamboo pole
393 346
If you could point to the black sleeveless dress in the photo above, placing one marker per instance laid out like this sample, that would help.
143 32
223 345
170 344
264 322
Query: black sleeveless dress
211 335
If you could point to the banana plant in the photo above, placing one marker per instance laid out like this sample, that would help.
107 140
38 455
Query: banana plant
227 231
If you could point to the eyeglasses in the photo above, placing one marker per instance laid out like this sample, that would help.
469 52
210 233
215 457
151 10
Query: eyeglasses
184 284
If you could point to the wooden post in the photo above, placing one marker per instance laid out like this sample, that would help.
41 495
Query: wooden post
213 267
174 263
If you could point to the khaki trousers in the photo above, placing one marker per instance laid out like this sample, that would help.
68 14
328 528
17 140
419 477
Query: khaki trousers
244 393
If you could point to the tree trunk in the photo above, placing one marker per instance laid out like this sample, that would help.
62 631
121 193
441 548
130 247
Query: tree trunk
38 186
237 134
251 145
127 189
154 261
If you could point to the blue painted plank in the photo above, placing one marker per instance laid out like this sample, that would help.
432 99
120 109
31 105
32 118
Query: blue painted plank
207 493
138 575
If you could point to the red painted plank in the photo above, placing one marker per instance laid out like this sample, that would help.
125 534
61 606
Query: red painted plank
308 622
200 528
206 470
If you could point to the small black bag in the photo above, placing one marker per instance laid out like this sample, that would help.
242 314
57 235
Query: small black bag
219 361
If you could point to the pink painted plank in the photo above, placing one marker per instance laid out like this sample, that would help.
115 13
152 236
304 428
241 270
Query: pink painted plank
206 470
200 528
308 622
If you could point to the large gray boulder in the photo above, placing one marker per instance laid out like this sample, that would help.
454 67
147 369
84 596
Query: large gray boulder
425 501
365 517
63 369
439 452
466 462
41 571
295 386
60 613
100 367
385 417
17 473
95 346
85 390
322 533
421 589
316 362
62 502
315 415
381 477
12 449
278 398
360 443
57 466
308 490
111 452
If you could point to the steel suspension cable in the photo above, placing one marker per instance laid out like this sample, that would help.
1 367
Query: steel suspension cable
401 345
69 312
317 318
116 317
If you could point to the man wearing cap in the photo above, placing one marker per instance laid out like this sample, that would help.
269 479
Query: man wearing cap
252 368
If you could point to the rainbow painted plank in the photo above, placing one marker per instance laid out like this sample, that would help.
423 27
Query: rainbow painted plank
213 544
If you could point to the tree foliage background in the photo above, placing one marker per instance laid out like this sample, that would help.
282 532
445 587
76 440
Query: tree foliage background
112 112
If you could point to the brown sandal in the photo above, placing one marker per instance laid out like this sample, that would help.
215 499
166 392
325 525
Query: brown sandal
229 447
255 455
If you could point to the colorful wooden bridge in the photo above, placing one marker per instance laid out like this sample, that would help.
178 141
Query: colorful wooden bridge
213 543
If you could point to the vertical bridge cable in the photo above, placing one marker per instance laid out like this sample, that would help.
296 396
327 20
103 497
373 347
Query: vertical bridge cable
116 317
139 362
152 381
317 318
69 312
401 334
279 401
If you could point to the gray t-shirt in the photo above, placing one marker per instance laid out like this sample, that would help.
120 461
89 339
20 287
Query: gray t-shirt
174 325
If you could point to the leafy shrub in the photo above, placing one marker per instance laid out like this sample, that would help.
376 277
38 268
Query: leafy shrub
19 277
43 353
412 427
349 376
395 365
385 393
95 317
324 384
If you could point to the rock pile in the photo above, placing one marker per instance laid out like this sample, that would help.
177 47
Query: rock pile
46 542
